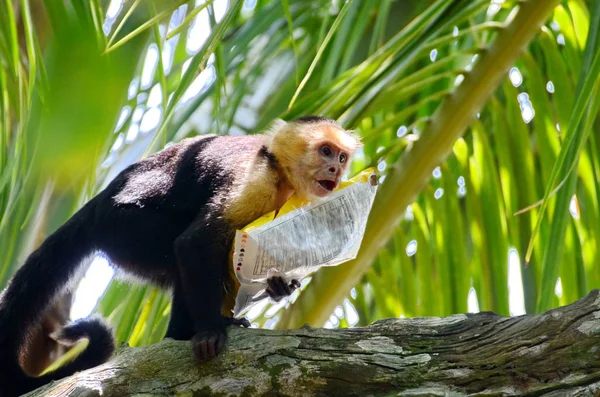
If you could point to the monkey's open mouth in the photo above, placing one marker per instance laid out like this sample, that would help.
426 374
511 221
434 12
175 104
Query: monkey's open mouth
327 185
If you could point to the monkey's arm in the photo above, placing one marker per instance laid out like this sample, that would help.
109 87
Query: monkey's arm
201 252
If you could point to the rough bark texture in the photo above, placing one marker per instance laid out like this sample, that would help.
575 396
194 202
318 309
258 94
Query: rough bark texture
551 354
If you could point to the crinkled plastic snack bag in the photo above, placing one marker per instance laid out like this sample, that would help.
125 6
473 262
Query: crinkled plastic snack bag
301 238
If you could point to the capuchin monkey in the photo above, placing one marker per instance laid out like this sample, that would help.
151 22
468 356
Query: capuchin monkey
170 220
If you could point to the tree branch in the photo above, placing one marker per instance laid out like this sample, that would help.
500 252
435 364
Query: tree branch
549 354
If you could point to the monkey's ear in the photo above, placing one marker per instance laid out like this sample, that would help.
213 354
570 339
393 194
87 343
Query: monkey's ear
357 143
276 126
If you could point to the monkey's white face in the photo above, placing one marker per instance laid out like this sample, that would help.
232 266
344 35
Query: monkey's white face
313 156
324 167
333 165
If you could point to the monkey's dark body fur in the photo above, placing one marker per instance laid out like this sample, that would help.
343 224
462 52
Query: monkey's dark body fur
158 220
170 220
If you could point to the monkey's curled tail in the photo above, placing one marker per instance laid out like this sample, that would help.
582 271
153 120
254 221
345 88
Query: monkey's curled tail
30 292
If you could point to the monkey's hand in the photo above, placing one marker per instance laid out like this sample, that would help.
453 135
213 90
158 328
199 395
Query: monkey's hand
208 344
278 288
243 322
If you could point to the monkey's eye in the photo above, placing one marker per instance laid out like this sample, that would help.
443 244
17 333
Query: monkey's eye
342 158
326 151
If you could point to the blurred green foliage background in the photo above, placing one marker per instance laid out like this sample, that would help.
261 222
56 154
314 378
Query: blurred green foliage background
464 127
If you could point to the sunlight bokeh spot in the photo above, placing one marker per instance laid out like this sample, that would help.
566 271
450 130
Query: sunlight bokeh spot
109 161
118 143
201 82
408 214
574 207
177 18
155 97
516 299
150 120
459 79
133 88
220 8
558 289
411 248
257 309
149 67
137 115
270 323
185 66
493 9
141 98
515 77
132 133
125 112
199 32
114 8
402 130
527 111
472 302
433 55
91 287
351 313
334 321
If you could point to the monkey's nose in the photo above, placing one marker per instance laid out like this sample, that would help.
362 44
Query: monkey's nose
333 170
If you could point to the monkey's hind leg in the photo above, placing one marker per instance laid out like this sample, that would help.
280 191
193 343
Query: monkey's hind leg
201 254
181 325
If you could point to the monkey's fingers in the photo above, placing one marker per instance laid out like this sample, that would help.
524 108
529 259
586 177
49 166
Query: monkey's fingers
273 294
277 288
208 344
237 321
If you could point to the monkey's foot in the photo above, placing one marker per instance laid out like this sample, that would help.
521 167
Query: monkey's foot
208 344
243 322
278 288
